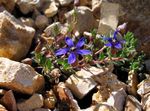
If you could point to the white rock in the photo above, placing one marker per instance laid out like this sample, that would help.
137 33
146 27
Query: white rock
34 102
51 10
27 6
41 21
144 87
15 37
2 108
65 2
19 77
53 29
76 82
109 17
132 104
117 99
81 19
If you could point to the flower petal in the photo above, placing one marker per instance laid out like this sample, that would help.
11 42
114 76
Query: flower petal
115 34
107 38
69 42
122 41
71 58
83 52
109 44
61 51
80 42
118 45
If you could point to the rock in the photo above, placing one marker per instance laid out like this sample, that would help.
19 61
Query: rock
132 83
65 95
109 17
117 99
51 10
41 21
8 4
42 109
76 82
27 6
34 102
137 21
2 108
146 102
15 37
144 87
53 29
81 19
27 21
147 63
9 101
50 100
65 2
96 7
132 104
19 77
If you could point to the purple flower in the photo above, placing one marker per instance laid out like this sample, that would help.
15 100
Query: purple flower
73 50
114 42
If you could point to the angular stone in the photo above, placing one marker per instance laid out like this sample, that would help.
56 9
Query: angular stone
76 82
53 29
109 17
146 102
27 6
2 108
19 77
2 91
9 101
132 104
81 19
65 2
8 4
147 63
117 99
34 102
15 37
144 87
51 10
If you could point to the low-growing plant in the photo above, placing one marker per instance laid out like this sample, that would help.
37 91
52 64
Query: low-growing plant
70 53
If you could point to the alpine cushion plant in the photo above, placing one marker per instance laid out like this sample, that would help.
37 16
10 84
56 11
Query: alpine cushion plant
73 50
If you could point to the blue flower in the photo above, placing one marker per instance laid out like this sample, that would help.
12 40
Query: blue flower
73 50
114 42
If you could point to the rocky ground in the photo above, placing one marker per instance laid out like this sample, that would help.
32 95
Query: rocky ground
22 88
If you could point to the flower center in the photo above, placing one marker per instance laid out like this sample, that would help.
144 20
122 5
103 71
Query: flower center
73 48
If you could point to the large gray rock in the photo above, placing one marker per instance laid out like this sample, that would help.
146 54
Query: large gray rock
81 19
15 37
19 77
